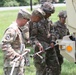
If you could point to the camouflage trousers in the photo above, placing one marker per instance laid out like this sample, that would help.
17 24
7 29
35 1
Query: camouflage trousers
17 71
60 57
48 65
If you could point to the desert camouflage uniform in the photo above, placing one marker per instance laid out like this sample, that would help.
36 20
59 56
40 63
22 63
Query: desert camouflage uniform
11 45
60 31
39 32
25 33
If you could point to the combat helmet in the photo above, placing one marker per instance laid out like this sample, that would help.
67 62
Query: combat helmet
47 7
38 12
62 13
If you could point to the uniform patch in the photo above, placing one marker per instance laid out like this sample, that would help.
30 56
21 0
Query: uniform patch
7 37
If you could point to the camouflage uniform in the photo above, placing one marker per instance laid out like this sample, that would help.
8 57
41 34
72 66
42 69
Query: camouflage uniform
39 33
12 41
60 31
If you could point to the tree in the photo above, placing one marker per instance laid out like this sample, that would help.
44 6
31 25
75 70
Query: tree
61 1
23 2
1 3
10 3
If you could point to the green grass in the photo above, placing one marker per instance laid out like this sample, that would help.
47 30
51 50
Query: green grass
6 18
68 68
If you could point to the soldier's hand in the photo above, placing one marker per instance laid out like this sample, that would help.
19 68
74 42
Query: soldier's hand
21 57
27 50
52 45
18 55
40 47
28 43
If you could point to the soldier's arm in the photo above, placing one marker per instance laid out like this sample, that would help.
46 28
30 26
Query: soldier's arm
25 31
33 35
33 29
8 38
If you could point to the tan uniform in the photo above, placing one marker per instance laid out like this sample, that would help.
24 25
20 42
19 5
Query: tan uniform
11 45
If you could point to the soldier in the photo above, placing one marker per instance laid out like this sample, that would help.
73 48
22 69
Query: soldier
61 31
49 9
40 36
12 42
36 16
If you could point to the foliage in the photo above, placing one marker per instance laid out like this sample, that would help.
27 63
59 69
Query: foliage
11 3
61 1
34 2
27 2
1 3
23 2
